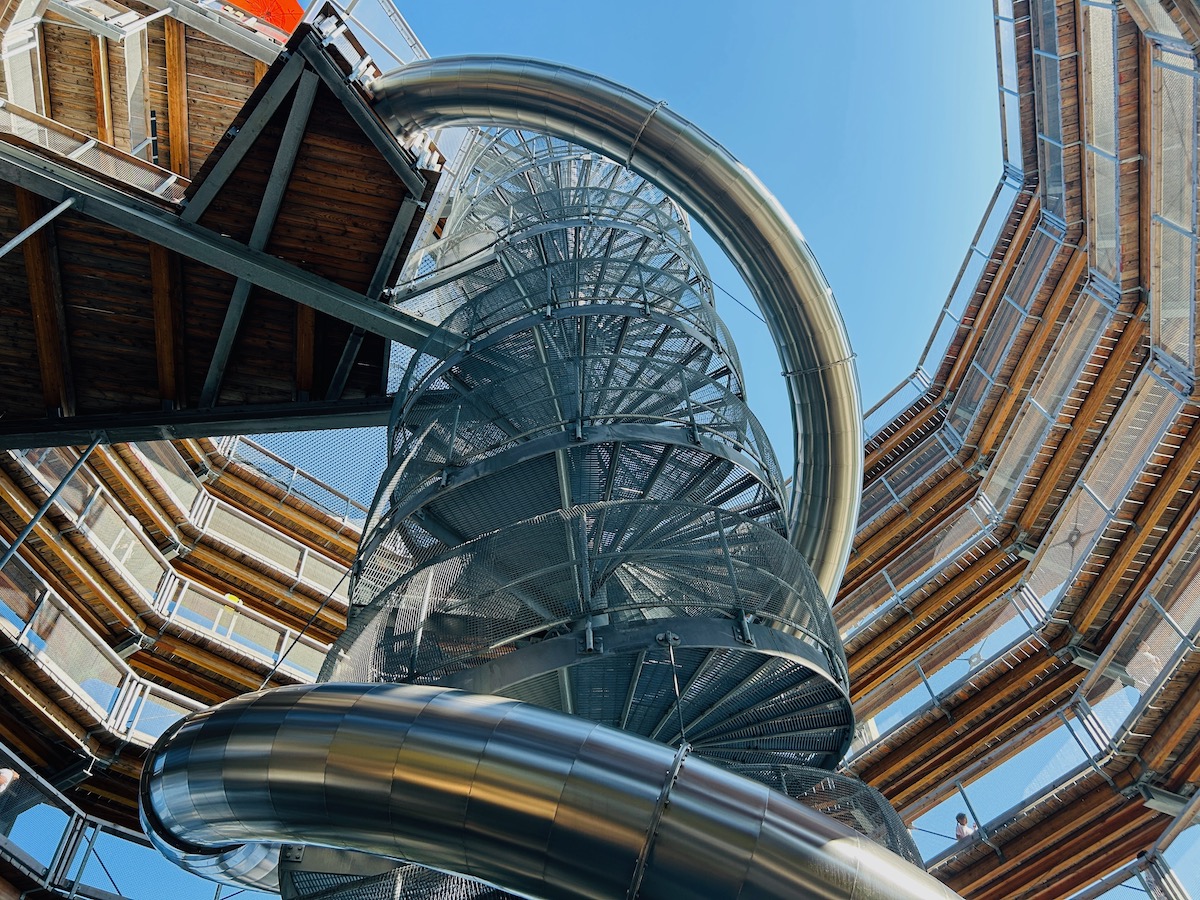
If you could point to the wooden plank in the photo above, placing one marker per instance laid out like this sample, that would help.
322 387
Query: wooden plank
46 301
177 98
103 90
43 68
167 298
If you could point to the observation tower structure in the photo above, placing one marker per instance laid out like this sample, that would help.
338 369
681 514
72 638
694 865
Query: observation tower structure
588 626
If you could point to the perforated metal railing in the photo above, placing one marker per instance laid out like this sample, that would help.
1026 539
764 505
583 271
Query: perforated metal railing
44 630
25 125
850 801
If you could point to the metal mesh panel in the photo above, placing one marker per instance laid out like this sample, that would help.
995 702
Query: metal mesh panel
657 560
1176 181
1101 64
1140 426
106 524
967 401
572 455
52 465
1104 253
1017 455
1035 261
338 469
1071 351
964 533
1155 638
852 802
1049 115
72 650
171 470
1171 299
404 883
1179 592
252 536
1050 157
155 711
19 592
1065 547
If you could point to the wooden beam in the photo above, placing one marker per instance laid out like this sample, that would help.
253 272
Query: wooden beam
860 658
1179 471
179 137
915 640
103 88
43 71
1187 766
1109 854
92 587
1182 718
167 299
306 338
1129 347
925 418
1061 831
39 705
180 648
1101 845
1150 569
280 600
1045 332
113 470
875 547
46 301
995 293
930 746
292 520
198 682
989 717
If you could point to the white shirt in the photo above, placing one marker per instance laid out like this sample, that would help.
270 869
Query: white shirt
7 777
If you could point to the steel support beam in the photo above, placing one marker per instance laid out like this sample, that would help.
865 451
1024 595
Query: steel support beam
36 226
150 221
387 261
264 223
244 139
196 423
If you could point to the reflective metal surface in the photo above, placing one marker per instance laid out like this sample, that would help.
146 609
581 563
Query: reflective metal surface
721 193
532 801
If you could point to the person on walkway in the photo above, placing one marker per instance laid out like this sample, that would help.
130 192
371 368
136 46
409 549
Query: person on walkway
961 828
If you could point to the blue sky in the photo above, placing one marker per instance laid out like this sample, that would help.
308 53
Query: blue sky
877 128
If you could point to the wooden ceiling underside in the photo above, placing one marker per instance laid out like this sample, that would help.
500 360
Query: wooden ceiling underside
130 315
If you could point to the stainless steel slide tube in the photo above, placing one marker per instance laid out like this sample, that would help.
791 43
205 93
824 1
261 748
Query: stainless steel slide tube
533 801
733 205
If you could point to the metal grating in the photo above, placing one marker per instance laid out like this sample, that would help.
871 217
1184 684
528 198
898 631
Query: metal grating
575 481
